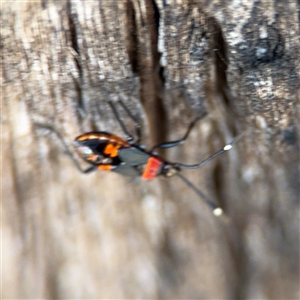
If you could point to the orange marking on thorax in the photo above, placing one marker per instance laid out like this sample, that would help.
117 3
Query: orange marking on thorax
152 168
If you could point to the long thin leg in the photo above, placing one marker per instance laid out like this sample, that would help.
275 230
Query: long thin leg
178 142
66 148
135 121
224 149
129 137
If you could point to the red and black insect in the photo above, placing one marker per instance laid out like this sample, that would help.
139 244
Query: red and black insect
106 151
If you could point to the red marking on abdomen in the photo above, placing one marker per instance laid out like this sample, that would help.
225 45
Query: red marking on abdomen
152 168
105 167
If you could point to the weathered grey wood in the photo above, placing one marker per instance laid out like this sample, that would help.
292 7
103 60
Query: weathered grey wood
68 235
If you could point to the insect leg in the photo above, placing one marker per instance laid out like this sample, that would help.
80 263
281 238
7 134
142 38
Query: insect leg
129 137
66 148
135 121
178 142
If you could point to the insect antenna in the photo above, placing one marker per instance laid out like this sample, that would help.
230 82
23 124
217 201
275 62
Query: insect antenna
224 149
217 211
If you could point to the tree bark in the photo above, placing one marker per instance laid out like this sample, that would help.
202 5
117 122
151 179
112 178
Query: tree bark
69 235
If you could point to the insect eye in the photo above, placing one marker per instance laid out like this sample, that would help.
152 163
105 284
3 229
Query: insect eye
170 171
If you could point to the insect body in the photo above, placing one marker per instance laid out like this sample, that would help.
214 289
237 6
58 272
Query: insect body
106 151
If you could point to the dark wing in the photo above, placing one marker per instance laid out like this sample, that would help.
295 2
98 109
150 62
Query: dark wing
126 170
133 156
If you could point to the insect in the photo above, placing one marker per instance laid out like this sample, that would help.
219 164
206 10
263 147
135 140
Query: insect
106 151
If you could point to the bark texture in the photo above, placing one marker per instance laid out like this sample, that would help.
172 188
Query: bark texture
236 64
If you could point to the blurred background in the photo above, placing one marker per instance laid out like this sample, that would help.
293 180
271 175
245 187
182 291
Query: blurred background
66 235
